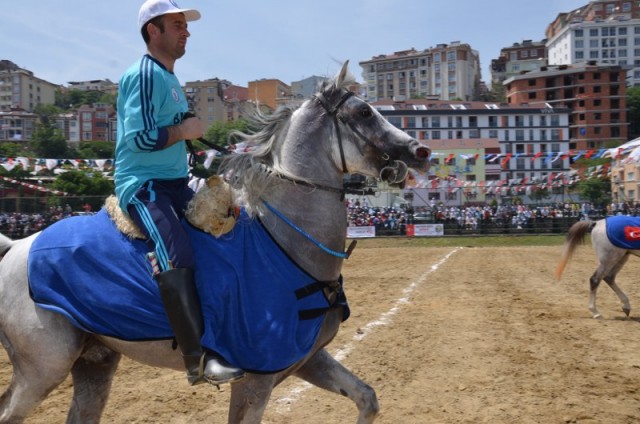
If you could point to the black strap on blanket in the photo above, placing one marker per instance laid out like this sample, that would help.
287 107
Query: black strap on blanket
332 291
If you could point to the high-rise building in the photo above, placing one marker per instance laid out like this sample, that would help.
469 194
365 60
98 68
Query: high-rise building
20 89
604 31
594 93
206 99
520 57
445 72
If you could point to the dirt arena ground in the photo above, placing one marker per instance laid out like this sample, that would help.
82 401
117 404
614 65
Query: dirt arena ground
444 335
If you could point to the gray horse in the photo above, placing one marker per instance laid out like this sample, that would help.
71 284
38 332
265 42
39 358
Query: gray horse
292 179
611 259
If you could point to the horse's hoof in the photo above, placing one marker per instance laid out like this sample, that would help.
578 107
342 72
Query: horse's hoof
597 316
626 311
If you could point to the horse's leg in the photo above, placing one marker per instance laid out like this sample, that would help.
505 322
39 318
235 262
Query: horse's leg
92 377
249 398
608 273
610 279
323 371
39 366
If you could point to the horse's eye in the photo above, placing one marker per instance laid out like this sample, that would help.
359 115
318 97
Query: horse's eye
366 113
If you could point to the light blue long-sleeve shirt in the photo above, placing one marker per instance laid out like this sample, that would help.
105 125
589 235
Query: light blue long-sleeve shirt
150 99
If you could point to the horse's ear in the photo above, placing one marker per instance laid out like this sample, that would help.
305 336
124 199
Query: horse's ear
343 73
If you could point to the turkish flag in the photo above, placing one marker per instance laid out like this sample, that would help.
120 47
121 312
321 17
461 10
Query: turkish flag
631 233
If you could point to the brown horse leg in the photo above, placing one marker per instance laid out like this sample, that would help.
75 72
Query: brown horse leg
323 371
92 377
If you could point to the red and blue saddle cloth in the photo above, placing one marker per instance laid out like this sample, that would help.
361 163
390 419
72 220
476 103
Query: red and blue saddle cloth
261 311
624 231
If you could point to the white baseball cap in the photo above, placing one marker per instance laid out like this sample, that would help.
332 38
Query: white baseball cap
153 8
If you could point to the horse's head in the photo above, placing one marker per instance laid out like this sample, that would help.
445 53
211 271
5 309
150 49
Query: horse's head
366 143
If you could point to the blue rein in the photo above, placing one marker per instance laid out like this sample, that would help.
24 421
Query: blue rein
343 255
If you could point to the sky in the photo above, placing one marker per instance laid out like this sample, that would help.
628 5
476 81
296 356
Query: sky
246 40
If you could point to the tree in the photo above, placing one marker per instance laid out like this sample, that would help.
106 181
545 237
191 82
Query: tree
96 150
94 186
219 132
48 141
633 116
595 190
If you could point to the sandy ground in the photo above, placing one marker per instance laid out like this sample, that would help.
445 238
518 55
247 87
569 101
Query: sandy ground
444 335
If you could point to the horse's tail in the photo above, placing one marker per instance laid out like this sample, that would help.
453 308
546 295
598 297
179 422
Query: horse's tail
575 236
5 244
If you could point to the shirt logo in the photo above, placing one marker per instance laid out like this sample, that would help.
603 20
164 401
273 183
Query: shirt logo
174 94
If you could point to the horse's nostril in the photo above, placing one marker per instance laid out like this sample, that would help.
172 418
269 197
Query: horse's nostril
423 152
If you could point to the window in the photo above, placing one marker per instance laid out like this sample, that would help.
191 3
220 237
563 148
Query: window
579 44
435 122
395 121
578 33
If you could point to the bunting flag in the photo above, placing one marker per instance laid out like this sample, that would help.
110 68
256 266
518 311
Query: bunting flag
34 186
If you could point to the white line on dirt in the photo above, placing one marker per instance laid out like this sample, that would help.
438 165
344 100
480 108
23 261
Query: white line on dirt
284 403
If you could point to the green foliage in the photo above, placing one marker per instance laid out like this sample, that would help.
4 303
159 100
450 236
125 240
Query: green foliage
83 183
595 190
633 115
219 132
94 186
11 150
48 141
75 98
96 150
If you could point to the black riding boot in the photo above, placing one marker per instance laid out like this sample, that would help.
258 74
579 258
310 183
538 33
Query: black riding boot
182 305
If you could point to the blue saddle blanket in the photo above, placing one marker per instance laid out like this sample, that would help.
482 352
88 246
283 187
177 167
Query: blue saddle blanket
85 269
624 231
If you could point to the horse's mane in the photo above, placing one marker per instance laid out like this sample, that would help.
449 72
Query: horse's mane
247 171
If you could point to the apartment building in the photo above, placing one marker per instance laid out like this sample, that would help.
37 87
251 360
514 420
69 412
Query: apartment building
96 122
604 31
17 125
206 99
20 89
445 72
306 87
103 85
269 92
521 57
479 144
594 93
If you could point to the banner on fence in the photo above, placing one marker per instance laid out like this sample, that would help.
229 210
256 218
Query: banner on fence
425 230
361 232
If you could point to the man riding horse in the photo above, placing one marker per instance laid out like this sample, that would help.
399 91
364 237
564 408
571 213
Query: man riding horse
152 174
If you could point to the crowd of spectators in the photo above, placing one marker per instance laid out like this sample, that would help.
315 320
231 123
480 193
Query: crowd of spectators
18 225
471 217
389 219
